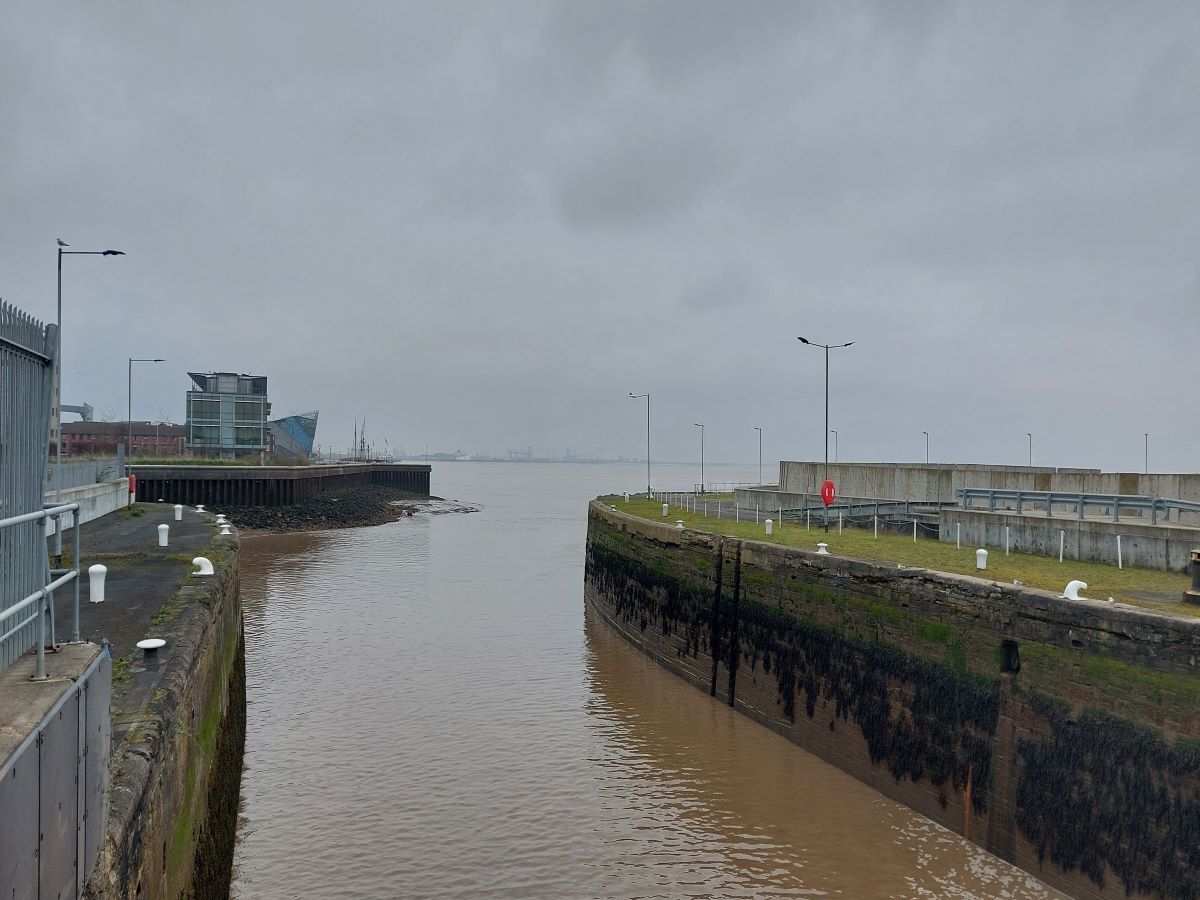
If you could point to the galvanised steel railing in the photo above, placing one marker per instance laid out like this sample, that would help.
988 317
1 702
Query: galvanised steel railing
34 614
1046 501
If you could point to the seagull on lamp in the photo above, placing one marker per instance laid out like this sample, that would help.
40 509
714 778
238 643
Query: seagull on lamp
63 243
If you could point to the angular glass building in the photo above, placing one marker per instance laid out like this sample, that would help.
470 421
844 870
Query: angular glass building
227 414
294 435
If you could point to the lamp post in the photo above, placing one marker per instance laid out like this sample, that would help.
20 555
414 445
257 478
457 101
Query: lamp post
129 409
826 348
833 431
58 360
759 430
1147 453
701 427
634 396
926 433
1030 436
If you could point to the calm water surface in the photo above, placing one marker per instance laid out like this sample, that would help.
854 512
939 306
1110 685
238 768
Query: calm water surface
432 714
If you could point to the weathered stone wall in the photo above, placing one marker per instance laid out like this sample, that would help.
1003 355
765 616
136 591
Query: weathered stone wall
176 775
1055 734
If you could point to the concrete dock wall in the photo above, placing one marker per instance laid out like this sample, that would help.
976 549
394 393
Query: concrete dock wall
1057 735
95 500
270 485
177 772
1147 546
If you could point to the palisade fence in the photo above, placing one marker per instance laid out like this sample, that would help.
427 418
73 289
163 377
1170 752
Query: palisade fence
27 352
71 473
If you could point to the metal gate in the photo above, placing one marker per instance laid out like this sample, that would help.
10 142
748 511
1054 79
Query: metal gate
27 352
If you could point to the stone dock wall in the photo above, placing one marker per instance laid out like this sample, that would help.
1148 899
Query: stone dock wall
176 775
1062 736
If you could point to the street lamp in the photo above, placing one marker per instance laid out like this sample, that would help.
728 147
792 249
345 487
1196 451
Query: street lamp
63 251
759 430
926 433
1147 453
833 431
634 396
1030 436
826 348
129 410
701 427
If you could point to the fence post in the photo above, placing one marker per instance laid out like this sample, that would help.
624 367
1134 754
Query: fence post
78 569
1062 542
914 531
1119 565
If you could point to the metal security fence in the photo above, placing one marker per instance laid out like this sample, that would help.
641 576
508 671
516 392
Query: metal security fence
27 352
82 472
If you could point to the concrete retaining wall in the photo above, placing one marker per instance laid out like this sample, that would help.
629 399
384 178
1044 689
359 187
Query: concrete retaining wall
1055 734
901 481
177 774
95 500
1147 546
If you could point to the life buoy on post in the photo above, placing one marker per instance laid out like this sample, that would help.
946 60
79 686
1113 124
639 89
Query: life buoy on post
132 487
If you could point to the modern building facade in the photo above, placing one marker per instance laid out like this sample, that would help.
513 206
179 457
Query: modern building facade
227 414
293 436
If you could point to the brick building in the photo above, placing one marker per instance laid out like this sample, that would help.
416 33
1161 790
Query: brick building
101 438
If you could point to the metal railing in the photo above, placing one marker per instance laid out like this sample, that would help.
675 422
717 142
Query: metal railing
1046 501
37 626
721 487
72 473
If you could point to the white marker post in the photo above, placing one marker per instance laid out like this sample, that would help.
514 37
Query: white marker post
1119 565
1062 542
162 534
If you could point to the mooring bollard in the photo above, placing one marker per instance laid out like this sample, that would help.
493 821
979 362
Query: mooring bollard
96 575
203 565
199 507
150 648
769 524
679 524
178 512
822 549
225 529
627 496
666 509
981 559
162 534
1072 590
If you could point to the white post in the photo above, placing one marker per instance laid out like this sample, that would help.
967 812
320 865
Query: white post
780 519
178 512
958 535
706 509
718 509
768 526
96 579
808 520
1119 552
756 512
839 523
876 518
162 534
981 559
1062 541
1006 540
627 496
914 531
666 509
737 512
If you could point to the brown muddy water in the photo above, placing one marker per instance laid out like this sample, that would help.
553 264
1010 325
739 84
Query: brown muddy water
432 713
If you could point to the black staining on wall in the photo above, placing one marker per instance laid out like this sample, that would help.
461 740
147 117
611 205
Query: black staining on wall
735 624
1099 791
714 628
921 719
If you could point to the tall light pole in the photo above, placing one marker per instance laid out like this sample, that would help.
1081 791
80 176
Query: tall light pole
63 251
759 430
926 433
826 348
1147 453
1030 436
835 449
129 409
701 427
634 396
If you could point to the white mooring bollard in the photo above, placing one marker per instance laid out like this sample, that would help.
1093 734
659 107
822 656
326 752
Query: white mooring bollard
178 512
679 524
199 507
225 529
1072 590
666 509
162 534
627 496
822 549
981 559
203 565
96 575
768 525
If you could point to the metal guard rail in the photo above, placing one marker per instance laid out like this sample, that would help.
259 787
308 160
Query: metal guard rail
1049 499
44 597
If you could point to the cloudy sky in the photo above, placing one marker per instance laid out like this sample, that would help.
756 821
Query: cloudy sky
481 225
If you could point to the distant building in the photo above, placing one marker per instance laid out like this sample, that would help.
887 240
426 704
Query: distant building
101 438
227 414
293 435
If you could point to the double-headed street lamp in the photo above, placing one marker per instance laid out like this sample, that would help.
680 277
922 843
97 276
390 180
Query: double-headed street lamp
701 427
63 251
634 396
129 410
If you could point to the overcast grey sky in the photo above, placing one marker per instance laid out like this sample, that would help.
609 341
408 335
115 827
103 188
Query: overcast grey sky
481 225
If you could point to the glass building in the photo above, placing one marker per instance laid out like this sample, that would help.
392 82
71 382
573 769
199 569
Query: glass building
293 436
227 414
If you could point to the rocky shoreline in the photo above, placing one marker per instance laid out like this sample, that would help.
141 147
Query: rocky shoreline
356 508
